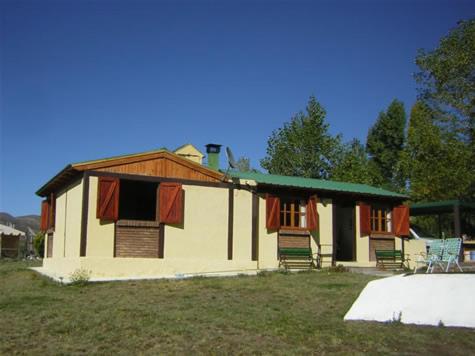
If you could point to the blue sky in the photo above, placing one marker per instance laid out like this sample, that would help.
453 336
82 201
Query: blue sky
89 79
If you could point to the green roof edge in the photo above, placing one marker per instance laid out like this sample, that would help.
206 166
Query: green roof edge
317 184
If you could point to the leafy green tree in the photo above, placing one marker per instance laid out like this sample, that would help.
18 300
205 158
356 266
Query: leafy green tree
385 142
447 79
244 165
39 244
355 166
435 161
303 147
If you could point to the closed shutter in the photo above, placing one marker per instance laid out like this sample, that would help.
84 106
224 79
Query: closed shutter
401 220
44 215
365 219
312 214
170 203
108 198
272 212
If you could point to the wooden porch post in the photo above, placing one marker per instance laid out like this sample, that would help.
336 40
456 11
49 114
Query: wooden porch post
440 225
457 230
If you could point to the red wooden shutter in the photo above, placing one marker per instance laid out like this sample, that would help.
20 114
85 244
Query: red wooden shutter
272 212
108 198
312 214
401 220
170 203
44 215
365 219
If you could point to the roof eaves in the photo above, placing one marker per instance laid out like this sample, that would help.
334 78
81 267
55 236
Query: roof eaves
78 164
40 191
307 183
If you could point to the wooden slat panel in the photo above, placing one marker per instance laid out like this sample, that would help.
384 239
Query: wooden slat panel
379 244
294 241
136 241
161 167
9 246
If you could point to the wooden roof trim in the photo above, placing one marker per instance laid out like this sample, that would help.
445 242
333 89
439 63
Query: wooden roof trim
111 162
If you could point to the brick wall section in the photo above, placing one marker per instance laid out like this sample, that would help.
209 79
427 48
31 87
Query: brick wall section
136 239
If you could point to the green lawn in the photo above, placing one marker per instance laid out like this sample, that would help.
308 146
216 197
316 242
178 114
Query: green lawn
271 313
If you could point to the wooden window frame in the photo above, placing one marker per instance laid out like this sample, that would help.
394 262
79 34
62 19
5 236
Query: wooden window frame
381 219
284 202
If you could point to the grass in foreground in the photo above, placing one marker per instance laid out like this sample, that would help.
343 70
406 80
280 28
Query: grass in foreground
272 313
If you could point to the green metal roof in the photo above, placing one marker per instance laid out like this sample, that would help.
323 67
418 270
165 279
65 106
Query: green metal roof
443 206
318 184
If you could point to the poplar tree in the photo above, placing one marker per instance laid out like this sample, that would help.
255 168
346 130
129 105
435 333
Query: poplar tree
303 147
435 161
385 143
354 165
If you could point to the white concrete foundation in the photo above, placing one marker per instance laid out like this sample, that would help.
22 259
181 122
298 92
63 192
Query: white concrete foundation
436 299
65 279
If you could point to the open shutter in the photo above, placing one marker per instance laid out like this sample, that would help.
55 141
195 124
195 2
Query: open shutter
272 212
108 198
365 219
170 203
44 215
401 220
312 214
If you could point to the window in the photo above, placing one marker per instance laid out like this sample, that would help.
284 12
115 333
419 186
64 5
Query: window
137 200
293 213
380 219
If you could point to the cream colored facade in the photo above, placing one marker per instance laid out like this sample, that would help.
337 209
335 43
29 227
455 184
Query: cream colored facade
190 152
198 246
67 232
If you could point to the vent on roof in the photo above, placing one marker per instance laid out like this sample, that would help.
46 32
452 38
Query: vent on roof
213 150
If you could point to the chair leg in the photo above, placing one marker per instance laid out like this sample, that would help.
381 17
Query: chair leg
428 268
458 265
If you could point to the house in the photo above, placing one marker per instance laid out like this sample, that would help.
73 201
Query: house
163 213
10 241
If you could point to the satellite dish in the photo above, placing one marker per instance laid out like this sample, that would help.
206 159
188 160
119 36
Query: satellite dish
231 160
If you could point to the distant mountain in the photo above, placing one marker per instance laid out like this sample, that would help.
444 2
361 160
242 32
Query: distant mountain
21 223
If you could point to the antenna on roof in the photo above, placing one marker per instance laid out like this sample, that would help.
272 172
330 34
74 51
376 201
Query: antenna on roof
231 161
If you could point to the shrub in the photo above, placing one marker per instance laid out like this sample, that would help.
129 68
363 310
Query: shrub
39 244
80 277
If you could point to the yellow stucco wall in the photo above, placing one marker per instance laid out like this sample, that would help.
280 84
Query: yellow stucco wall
199 245
204 232
325 212
60 227
242 228
412 249
73 220
100 235
267 240
67 231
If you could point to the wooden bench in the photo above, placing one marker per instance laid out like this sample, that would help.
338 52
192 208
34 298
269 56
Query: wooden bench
293 257
389 259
